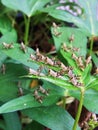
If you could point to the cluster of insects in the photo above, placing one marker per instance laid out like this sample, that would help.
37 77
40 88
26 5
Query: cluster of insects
79 60
39 94
9 46
63 70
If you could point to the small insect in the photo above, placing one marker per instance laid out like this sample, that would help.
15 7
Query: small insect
38 97
49 61
32 57
80 63
56 33
64 68
75 49
71 39
42 90
3 69
34 83
8 46
74 57
23 47
34 72
39 56
52 73
54 25
65 48
88 60
70 73
73 81
20 90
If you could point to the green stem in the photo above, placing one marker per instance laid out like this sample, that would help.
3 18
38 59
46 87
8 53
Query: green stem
64 102
91 45
27 27
79 109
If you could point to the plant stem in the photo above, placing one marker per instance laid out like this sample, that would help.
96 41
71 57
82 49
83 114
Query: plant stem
91 45
64 102
79 109
27 27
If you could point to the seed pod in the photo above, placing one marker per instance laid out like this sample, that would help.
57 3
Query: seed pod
49 61
71 39
23 47
42 90
88 60
8 46
52 73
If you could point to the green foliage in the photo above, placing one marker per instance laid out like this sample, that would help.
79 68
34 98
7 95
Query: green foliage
67 73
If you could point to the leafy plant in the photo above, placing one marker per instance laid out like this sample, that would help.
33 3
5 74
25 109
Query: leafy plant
40 86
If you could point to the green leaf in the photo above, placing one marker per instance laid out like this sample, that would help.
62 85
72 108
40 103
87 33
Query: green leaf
17 54
27 101
9 37
87 22
5 25
53 117
61 82
90 99
8 81
79 41
12 121
28 7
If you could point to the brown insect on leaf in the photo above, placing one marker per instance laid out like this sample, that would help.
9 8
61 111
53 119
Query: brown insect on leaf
88 60
20 90
52 73
39 56
66 48
76 49
74 57
23 47
42 90
32 71
64 68
32 57
8 46
3 69
38 97
54 25
56 33
71 38
70 73
80 63
49 61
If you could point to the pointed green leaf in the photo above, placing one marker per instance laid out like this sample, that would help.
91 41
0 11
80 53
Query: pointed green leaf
79 40
12 121
53 117
28 7
87 22
90 99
